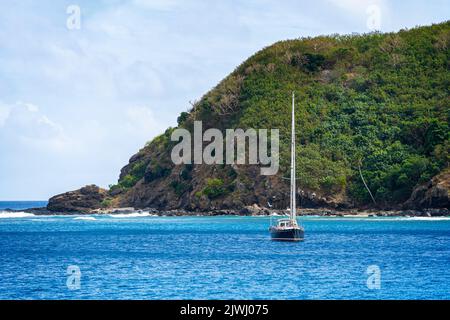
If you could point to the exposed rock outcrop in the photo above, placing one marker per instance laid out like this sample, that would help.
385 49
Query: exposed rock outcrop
83 200
433 194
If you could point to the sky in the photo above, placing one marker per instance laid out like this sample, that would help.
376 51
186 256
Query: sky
85 84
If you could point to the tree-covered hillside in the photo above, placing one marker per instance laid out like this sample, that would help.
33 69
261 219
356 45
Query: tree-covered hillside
375 103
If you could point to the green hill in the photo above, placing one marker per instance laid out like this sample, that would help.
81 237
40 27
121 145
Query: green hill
375 102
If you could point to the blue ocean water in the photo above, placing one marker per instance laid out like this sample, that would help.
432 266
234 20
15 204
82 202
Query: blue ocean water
20 205
145 257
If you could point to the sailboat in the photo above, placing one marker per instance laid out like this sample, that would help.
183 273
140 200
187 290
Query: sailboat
287 229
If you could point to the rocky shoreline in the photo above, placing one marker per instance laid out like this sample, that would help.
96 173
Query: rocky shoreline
92 200
249 211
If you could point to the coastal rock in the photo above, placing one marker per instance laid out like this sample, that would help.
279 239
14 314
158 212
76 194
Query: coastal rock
311 199
83 200
254 210
434 194
436 212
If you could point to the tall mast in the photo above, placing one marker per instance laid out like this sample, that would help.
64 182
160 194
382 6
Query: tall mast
293 189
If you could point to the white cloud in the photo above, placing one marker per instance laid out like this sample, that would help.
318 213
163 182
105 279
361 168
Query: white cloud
4 113
139 78
25 124
141 121
29 106
359 8
156 4
356 6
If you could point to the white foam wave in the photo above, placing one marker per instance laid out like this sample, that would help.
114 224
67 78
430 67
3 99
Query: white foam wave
85 218
427 218
16 214
387 219
132 215
276 215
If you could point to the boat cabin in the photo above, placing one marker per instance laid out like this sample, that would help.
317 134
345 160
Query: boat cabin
286 223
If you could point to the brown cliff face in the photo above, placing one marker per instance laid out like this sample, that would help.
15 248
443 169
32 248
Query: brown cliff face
433 194
81 201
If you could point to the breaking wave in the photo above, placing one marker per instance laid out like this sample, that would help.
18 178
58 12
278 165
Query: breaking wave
428 218
392 218
85 218
132 215
17 214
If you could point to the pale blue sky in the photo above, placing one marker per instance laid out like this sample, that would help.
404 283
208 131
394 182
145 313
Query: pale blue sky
76 104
